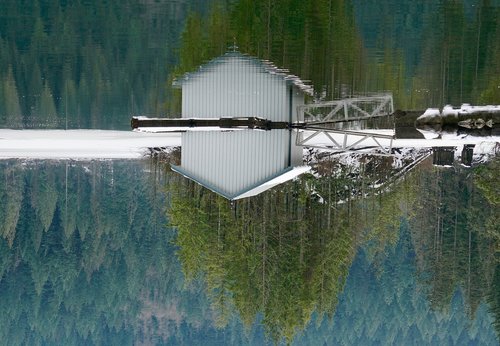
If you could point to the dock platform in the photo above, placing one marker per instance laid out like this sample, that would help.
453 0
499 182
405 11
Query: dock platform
223 123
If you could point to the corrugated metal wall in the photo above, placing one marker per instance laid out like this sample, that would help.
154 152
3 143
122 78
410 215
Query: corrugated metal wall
238 87
234 161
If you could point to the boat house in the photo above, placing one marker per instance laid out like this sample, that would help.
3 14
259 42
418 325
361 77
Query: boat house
241 163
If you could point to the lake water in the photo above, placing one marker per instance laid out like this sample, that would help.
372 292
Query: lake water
362 250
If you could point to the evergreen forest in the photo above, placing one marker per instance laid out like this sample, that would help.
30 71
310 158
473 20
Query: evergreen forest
286 255
124 252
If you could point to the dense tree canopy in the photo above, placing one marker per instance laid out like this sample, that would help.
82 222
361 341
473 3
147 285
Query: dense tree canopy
86 257
285 254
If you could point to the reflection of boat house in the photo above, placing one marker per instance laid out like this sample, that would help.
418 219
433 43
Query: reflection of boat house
241 163
237 85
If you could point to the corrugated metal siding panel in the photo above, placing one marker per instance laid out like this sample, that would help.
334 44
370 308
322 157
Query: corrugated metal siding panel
235 88
297 157
235 161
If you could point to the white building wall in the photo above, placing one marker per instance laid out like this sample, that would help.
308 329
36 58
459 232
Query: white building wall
234 161
237 87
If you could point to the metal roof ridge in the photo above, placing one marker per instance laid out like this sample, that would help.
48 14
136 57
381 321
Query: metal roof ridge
258 187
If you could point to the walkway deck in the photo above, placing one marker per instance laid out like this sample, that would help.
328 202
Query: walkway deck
182 124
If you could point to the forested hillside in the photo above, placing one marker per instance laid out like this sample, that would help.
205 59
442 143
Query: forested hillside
288 254
86 259
87 255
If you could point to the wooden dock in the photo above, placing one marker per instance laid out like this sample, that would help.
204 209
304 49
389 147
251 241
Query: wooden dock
223 123
229 123
350 138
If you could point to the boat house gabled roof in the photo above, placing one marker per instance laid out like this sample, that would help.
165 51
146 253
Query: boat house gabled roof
283 176
239 164
264 65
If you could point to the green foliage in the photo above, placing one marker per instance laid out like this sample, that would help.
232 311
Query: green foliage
384 303
455 242
85 257
267 255
487 180
284 254
494 299
287 262
11 191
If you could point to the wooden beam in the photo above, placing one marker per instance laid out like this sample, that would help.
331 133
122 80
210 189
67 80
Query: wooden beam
225 123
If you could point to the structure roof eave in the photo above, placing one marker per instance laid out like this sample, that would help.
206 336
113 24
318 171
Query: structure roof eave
284 175
189 175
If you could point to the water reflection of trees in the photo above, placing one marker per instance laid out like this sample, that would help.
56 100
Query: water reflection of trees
347 47
95 63
86 64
